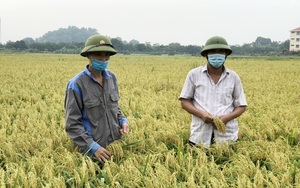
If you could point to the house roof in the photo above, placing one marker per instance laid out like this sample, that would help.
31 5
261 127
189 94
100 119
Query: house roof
297 29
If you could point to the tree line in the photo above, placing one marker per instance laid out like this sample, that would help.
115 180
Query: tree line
71 40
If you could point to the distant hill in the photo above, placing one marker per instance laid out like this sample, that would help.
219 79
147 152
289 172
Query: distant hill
67 35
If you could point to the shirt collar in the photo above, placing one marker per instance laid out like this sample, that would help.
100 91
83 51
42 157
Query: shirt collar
225 70
106 73
205 68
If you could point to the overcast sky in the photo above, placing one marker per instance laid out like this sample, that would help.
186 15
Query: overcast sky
155 21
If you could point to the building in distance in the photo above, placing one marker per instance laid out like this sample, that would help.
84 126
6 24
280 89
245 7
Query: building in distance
295 40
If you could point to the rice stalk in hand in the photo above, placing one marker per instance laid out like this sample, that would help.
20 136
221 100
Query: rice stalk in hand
116 149
219 124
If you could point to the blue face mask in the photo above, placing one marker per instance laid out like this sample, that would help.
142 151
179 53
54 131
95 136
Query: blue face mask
99 65
216 60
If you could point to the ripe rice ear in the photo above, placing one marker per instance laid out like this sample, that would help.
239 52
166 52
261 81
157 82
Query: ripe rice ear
116 149
220 125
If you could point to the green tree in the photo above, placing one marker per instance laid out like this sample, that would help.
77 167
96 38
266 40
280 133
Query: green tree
141 48
261 41
28 40
118 44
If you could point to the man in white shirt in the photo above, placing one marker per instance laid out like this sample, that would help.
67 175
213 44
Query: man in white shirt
213 91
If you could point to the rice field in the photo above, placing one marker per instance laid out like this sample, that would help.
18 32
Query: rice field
36 152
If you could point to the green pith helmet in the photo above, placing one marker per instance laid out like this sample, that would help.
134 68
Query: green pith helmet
98 43
216 42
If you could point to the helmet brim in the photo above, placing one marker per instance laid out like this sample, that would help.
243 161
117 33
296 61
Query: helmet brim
215 46
88 49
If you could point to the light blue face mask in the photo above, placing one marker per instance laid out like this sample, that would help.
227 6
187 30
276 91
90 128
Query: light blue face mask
99 65
216 60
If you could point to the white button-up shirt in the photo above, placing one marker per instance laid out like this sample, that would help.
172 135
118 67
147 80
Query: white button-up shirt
217 99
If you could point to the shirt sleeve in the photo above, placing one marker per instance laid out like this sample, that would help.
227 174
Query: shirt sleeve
74 127
239 95
188 89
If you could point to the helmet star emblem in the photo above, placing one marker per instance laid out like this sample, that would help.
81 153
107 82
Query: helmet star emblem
102 42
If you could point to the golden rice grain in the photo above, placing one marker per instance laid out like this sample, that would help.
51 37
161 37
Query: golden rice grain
220 125
116 149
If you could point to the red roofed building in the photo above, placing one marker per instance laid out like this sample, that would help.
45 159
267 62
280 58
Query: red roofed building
295 40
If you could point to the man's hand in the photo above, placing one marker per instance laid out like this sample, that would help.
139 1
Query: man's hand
102 154
206 117
224 119
187 105
124 129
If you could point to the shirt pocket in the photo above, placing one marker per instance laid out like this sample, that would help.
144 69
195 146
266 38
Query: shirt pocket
227 96
114 98
94 110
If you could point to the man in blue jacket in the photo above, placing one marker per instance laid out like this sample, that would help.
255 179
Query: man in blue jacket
93 116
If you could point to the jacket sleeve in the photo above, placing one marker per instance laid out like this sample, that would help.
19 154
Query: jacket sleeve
74 127
121 118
